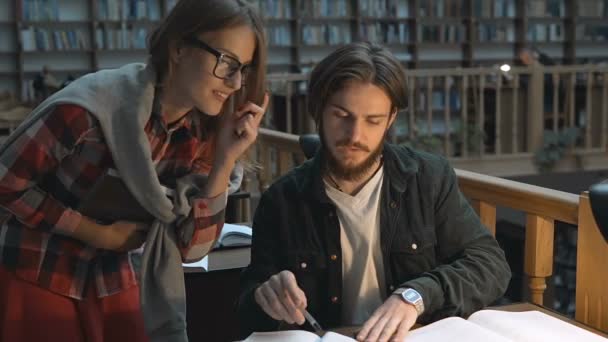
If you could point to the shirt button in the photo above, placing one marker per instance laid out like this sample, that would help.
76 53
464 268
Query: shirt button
334 299
393 204
333 257
331 214
414 246
303 265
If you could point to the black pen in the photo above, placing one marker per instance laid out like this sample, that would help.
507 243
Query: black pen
313 322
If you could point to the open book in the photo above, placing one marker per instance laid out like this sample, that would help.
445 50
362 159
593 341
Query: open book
234 235
296 336
484 325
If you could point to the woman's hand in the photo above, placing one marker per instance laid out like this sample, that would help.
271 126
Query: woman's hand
123 236
120 236
239 131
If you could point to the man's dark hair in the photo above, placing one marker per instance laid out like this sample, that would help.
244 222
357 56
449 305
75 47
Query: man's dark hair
365 62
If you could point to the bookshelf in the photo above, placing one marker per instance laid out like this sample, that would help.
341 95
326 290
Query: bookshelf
76 37
71 37
437 33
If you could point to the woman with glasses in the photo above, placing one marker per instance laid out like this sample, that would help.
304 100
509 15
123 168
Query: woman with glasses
184 118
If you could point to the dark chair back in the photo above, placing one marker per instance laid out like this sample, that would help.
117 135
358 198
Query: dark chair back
309 143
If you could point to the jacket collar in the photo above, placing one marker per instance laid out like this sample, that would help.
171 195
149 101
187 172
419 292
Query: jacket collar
399 165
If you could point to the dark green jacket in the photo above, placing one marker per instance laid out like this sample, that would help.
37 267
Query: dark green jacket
431 240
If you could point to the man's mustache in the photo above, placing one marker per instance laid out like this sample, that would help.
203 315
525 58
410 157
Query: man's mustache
348 143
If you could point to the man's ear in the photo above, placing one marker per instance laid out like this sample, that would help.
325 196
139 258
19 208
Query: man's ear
392 118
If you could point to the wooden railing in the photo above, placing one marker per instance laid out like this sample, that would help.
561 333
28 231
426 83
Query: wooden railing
481 113
542 206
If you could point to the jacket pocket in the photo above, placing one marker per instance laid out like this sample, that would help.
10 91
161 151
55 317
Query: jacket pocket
412 254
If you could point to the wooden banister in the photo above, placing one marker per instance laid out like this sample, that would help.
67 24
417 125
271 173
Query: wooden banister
559 205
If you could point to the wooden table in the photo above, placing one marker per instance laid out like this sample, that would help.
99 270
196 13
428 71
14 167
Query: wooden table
212 296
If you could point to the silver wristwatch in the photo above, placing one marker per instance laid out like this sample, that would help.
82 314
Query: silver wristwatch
411 296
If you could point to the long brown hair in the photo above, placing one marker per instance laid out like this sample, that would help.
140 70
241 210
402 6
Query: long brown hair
193 17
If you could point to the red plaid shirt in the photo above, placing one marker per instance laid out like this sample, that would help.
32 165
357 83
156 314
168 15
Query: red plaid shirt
51 167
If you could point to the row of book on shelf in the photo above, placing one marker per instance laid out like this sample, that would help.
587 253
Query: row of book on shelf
546 8
129 9
326 8
44 10
592 32
384 32
592 8
41 39
37 39
539 32
492 32
49 10
494 9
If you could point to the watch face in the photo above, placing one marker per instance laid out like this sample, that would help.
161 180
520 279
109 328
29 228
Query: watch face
410 295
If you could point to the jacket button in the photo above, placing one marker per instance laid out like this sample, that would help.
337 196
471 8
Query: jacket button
334 299
414 246
303 265
392 288
333 257
331 214
393 204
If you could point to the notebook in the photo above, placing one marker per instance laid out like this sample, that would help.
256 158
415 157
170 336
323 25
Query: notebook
110 200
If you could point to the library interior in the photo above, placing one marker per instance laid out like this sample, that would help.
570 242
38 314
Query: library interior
514 93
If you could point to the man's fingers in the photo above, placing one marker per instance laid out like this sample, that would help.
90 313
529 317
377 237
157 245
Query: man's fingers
288 280
378 328
263 303
276 304
389 328
401 333
294 311
367 327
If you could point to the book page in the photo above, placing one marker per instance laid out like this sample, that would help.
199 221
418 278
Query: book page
532 326
235 235
201 265
335 337
453 329
281 336
296 336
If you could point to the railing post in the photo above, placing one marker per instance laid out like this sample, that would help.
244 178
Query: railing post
538 252
487 214
536 110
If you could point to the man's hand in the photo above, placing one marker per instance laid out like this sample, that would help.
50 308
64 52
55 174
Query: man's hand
281 298
391 321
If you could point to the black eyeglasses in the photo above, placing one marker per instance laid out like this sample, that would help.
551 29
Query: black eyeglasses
226 66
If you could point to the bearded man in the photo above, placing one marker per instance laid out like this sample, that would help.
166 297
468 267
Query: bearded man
366 233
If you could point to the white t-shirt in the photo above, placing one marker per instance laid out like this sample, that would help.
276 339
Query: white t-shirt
362 267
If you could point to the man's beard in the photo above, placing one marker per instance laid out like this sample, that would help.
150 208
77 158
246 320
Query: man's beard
349 173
